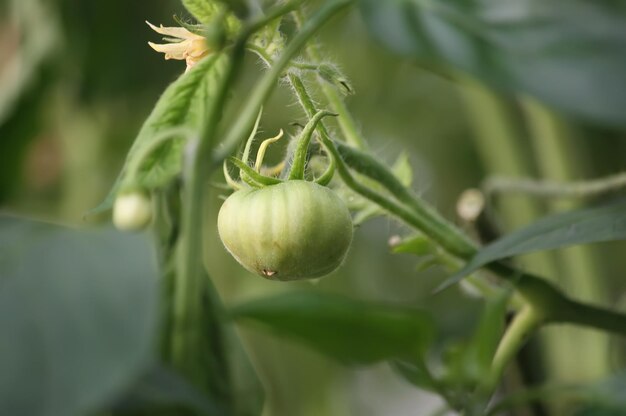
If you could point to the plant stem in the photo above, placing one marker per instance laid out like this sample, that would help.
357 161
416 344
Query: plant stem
345 120
498 143
551 189
263 89
524 323
426 219
497 139
299 156
543 296
558 160
191 282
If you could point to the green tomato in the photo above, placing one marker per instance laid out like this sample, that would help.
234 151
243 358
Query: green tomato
132 211
289 231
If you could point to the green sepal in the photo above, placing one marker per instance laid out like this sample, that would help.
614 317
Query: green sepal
257 178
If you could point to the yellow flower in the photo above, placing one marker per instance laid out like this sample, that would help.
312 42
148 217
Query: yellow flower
184 45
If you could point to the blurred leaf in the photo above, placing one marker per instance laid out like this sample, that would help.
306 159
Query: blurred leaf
221 367
351 331
454 372
183 104
162 388
568 53
245 380
606 397
78 313
203 10
547 393
242 380
416 374
37 26
603 398
600 410
402 169
207 11
597 224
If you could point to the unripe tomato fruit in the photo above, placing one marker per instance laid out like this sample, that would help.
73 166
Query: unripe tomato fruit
289 231
132 211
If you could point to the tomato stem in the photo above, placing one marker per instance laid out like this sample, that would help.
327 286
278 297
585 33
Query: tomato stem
188 343
300 155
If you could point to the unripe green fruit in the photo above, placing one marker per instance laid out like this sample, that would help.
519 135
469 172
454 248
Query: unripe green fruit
132 211
289 231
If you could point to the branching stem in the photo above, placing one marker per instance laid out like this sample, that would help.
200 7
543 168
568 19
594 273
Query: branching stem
191 281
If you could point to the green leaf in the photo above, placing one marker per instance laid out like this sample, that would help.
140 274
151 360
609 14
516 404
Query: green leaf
603 398
351 331
402 169
207 11
203 10
416 374
567 53
78 313
418 245
182 105
597 224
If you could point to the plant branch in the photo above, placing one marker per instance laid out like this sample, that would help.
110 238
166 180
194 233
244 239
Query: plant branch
541 294
345 120
263 89
191 282
555 189
523 325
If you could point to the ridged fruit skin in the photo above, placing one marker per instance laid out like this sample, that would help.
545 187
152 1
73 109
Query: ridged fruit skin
289 231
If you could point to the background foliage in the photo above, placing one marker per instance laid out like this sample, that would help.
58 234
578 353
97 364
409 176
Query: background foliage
77 81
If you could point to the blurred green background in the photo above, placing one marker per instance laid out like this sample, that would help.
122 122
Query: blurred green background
77 79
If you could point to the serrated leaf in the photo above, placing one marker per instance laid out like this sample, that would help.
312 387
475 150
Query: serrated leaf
351 331
78 313
591 225
182 104
567 53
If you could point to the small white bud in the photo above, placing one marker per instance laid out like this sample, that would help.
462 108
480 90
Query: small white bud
132 211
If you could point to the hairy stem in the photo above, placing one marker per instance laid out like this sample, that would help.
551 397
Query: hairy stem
539 293
191 282
299 156
347 124
263 89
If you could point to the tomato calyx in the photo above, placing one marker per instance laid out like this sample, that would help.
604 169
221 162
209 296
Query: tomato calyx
257 176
